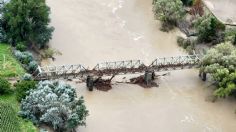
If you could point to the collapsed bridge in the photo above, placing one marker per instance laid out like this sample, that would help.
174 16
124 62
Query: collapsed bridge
117 68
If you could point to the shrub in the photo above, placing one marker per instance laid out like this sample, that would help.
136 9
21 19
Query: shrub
23 87
55 104
27 77
180 40
4 86
188 44
187 2
24 57
208 28
32 66
197 8
230 35
49 53
169 12
21 46
28 57
19 55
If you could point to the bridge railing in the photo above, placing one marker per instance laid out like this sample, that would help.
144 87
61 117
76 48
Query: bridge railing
53 71
174 62
118 65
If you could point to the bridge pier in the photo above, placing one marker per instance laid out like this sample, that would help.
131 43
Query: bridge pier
89 83
149 76
203 75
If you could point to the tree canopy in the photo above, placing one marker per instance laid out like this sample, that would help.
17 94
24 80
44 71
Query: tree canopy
220 62
26 21
169 12
208 28
56 104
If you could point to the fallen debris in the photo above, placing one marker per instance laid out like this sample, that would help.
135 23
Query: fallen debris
141 82
103 85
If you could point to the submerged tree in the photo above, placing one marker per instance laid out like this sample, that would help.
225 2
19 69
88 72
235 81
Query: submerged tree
26 21
169 12
220 62
55 104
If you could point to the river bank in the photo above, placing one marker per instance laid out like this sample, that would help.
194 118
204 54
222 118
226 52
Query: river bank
88 32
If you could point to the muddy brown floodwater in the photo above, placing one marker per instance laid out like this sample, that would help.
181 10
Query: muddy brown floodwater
91 31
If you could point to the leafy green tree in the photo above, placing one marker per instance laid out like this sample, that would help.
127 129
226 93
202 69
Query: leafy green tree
220 62
55 104
169 12
208 28
27 20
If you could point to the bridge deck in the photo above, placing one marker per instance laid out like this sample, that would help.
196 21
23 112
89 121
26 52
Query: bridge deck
118 67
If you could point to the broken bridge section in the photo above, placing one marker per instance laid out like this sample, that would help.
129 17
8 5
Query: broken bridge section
118 67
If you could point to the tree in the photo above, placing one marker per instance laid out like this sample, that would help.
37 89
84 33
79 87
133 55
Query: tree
27 20
208 28
169 12
55 104
220 62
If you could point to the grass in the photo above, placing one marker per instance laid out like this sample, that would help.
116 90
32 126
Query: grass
9 66
24 125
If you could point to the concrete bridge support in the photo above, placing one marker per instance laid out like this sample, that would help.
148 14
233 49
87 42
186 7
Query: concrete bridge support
149 76
89 83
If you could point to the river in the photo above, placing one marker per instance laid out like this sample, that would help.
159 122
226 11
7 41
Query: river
92 31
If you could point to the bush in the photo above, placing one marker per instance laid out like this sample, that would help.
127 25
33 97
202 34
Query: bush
27 77
209 28
187 2
230 35
55 104
188 44
5 86
21 46
23 57
32 66
23 87
169 12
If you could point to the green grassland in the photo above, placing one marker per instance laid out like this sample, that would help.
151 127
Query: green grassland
9 106
9 66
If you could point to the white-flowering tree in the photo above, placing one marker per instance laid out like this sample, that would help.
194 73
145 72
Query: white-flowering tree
55 104
169 12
